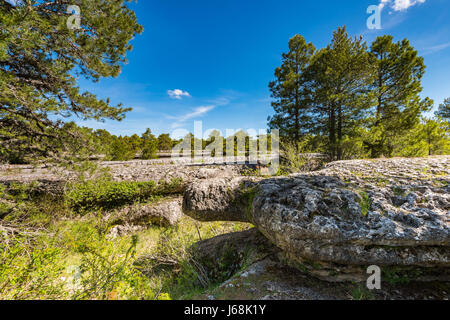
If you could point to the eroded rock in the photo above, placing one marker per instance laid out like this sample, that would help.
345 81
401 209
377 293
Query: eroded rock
351 214
166 212
218 199
222 256
260 272
53 179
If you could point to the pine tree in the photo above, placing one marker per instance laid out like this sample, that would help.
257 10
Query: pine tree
149 145
164 142
444 110
340 76
292 103
40 61
397 86
121 149
435 136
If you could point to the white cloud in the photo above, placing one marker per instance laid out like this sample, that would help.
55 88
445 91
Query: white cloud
178 94
200 111
13 2
399 5
436 48
197 112
383 3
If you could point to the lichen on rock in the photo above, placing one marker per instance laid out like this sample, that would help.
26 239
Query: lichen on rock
351 214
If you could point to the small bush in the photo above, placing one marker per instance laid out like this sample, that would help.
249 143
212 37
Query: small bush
105 274
19 191
29 270
295 157
110 194
362 293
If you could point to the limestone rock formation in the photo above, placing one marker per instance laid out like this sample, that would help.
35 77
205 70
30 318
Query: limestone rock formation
224 255
218 199
261 273
52 179
337 221
166 212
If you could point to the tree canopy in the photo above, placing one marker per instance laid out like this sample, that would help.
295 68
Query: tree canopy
353 99
444 110
40 62
292 103
397 85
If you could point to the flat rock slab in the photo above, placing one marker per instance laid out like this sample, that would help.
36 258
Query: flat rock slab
165 212
264 275
52 179
134 170
352 214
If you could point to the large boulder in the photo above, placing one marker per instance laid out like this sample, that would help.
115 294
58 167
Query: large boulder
222 256
254 269
224 199
352 214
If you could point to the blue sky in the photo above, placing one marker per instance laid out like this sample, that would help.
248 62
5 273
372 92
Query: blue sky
212 60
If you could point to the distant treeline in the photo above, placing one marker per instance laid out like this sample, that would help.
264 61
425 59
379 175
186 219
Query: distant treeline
147 146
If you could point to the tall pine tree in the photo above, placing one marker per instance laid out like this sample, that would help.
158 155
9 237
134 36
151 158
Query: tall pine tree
397 86
340 78
292 103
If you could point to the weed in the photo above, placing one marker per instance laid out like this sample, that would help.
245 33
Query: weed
364 202
362 293
398 191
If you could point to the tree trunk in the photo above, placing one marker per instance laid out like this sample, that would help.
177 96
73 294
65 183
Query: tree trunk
339 133
296 124
332 133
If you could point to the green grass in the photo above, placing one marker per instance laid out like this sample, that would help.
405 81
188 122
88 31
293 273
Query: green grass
362 293
49 251
364 202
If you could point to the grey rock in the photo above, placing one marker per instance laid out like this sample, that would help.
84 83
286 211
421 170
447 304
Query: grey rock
119 231
218 199
52 179
265 275
166 212
318 216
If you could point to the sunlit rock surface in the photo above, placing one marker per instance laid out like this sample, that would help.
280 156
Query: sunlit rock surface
351 214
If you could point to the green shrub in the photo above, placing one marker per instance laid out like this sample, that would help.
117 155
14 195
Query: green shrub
362 293
110 194
19 191
5 209
172 261
100 267
29 270
295 156
107 274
